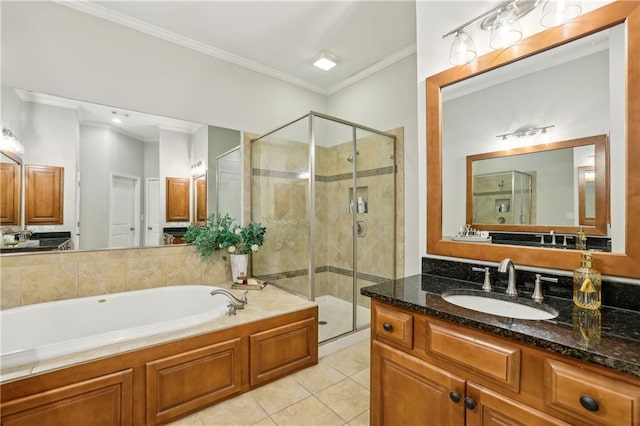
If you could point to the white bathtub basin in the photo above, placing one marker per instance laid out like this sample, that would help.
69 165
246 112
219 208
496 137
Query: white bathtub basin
484 302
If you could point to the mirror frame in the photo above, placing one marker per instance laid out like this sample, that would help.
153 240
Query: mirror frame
597 226
625 264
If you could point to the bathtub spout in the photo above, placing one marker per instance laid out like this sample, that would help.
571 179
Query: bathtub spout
235 302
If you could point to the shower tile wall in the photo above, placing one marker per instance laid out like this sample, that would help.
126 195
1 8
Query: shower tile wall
282 205
27 279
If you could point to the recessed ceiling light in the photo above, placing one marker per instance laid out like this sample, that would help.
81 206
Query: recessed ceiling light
325 61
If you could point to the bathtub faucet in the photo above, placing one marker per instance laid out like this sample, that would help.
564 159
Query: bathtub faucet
235 302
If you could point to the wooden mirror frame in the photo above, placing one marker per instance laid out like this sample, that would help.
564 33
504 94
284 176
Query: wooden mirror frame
625 264
596 226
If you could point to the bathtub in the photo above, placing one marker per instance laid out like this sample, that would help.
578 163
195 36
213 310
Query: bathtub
43 331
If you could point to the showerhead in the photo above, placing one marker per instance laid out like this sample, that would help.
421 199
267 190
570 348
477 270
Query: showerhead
350 157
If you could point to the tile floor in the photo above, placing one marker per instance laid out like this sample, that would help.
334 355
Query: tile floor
334 392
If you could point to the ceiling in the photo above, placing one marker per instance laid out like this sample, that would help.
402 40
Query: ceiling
278 38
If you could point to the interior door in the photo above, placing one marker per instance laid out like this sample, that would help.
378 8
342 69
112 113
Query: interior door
152 209
122 208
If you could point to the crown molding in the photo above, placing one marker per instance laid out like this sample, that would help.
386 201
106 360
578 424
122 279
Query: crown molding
92 8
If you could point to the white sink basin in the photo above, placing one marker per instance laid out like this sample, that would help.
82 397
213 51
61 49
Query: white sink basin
484 302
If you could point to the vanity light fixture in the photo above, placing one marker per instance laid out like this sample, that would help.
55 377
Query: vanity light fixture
325 61
505 31
11 143
557 12
197 169
503 22
526 132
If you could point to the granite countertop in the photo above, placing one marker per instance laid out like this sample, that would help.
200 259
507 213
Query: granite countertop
618 346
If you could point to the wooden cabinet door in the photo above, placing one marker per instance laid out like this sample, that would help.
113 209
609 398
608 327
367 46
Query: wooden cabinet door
44 195
177 199
408 391
101 401
192 380
9 194
488 408
269 358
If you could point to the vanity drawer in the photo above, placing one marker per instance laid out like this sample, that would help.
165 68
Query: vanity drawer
393 325
592 396
495 360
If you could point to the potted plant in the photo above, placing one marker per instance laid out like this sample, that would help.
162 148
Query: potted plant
220 234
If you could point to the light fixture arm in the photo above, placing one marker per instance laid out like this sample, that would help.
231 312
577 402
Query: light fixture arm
477 18
524 131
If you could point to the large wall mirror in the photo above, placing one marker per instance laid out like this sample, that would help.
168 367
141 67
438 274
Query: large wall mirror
116 164
489 105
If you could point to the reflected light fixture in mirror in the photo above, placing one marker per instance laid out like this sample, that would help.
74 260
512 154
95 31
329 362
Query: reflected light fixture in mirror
505 31
555 13
462 50
11 143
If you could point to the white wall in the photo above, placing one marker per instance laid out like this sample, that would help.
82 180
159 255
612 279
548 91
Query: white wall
384 101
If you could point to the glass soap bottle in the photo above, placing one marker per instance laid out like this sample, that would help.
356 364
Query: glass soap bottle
586 284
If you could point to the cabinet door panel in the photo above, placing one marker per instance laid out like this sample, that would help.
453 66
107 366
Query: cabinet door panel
9 194
102 401
188 381
407 391
493 409
44 195
177 199
268 359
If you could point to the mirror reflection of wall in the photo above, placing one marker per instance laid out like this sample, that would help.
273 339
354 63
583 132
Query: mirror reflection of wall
555 91
114 173
222 141
229 189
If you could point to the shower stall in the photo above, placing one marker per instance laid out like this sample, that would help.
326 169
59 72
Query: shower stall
325 190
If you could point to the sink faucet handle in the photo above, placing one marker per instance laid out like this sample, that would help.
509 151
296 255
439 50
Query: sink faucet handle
537 290
486 286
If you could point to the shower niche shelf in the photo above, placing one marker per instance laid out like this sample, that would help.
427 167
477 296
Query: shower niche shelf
361 191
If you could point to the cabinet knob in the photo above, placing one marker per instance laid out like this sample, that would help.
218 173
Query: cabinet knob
387 326
455 396
589 403
469 403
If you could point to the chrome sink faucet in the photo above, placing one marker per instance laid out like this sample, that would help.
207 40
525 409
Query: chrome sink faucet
506 265
235 302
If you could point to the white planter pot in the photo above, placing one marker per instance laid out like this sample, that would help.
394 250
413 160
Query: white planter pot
239 264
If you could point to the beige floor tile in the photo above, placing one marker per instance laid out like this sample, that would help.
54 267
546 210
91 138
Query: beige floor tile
347 398
265 422
280 394
192 420
309 411
363 378
241 410
348 361
361 420
318 377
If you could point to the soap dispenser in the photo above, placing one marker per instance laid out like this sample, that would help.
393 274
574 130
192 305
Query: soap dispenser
587 284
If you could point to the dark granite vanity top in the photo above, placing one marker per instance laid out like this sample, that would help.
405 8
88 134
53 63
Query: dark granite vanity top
618 346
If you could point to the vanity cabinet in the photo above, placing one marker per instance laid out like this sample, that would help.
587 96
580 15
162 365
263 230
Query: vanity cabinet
177 208
430 371
44 195
9 194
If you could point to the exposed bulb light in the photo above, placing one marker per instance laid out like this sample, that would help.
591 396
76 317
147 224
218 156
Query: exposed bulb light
528 132
557 12
463 51
505 31
325 61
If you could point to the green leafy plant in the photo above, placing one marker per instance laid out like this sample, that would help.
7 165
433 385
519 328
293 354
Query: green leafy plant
220 234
